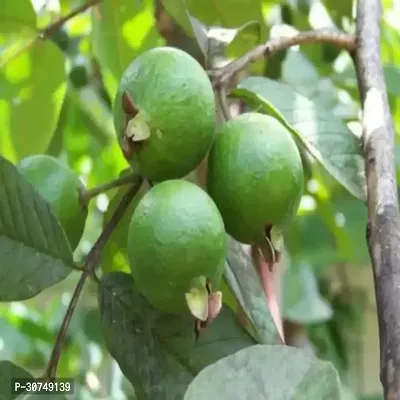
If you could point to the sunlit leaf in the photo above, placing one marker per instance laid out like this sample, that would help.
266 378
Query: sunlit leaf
225 13
31 95
121 31
16 14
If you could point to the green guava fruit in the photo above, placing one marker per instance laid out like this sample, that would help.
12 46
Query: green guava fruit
255 176
164 113
61 188
176 244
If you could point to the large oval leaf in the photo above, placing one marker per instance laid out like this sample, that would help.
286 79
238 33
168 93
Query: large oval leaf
157 352
325 136
267 372
34 250
32 85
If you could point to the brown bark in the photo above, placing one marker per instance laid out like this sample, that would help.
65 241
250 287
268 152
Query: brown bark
383 231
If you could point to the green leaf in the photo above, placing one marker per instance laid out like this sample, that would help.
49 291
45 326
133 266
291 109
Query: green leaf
234 42
325 136
377 396
34 250
224 13
246 37
202 34
267 372
157 352
33 87
177 9
303 304
121 32
299 72
16 14
245 283
8 371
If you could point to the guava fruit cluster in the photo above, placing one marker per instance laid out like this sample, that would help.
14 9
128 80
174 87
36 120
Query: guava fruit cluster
61 188
164 115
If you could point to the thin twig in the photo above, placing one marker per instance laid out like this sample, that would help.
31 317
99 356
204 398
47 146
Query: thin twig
92 260
383 231
124 180
54 26
47 31
223 102
223 75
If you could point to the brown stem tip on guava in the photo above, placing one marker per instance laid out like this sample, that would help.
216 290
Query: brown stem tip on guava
214 306
136 128
127 147
130 109
128 106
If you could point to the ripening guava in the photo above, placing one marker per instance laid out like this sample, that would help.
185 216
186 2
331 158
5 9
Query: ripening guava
164 113
255 176
61 188
176 242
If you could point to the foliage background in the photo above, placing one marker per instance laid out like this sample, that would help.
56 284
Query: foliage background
56 97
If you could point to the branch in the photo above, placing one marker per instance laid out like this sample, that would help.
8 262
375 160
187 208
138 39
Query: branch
222 76
223 102
53 27
92 260
383 231
124 180
47 31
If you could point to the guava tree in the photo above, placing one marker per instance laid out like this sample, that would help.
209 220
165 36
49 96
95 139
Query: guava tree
190 167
